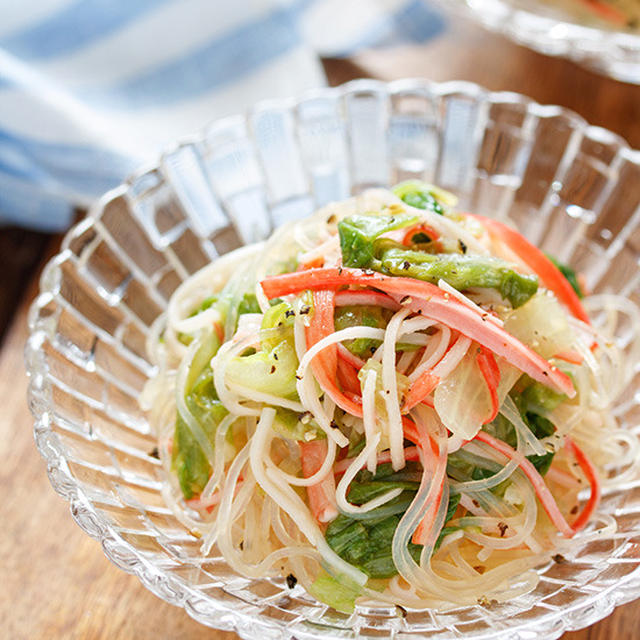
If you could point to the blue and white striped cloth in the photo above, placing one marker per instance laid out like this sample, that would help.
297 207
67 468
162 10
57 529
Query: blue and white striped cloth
90 89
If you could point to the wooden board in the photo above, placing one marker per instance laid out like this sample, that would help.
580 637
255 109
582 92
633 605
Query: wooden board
21 252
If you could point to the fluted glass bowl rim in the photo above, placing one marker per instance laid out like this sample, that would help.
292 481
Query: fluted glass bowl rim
175 590
611 52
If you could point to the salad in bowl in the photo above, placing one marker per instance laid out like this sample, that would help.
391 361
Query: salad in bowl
392 401
245 495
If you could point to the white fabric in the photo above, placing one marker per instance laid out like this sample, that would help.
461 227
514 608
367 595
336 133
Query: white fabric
91 89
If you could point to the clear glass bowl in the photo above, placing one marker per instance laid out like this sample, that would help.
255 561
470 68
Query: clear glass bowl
572 188
556 32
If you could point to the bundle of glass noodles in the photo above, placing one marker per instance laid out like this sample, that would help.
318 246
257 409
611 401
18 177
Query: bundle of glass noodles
391 401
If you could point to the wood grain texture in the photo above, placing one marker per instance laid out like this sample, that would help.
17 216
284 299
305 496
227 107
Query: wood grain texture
21 252
56 582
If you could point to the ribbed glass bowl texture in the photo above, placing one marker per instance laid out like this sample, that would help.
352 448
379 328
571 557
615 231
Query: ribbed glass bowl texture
572 188
548 28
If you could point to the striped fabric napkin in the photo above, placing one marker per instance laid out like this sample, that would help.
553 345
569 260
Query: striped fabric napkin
90 89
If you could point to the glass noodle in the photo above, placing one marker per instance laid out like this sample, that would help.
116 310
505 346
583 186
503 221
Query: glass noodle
376 402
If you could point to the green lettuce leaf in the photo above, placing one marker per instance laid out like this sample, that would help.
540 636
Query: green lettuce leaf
358 232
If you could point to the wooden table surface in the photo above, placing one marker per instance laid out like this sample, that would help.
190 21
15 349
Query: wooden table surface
56 583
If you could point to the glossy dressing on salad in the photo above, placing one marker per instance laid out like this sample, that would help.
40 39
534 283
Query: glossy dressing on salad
390 401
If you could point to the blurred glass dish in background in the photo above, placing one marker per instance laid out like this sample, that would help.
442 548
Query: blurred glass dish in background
572 189
601 35
616 15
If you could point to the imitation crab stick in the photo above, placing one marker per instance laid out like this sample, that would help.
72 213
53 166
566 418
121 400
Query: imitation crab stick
369 298
430 301
322 496
348 377
351 358
210 503
435 460
325 365
569 355
429 379
592 477
407 238
419 390
550 276
541 489
536 480
547 500
491 374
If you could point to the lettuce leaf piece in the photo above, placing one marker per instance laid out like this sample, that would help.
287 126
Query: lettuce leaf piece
271 371
454 500
502 429
420 195
364 315
540 426
358 232
364 491
411 472
280 317
531 405
366 543
289 425
538 398
542 463
569 274
249 304
205 304
460 271
339 592
357 442
188 461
